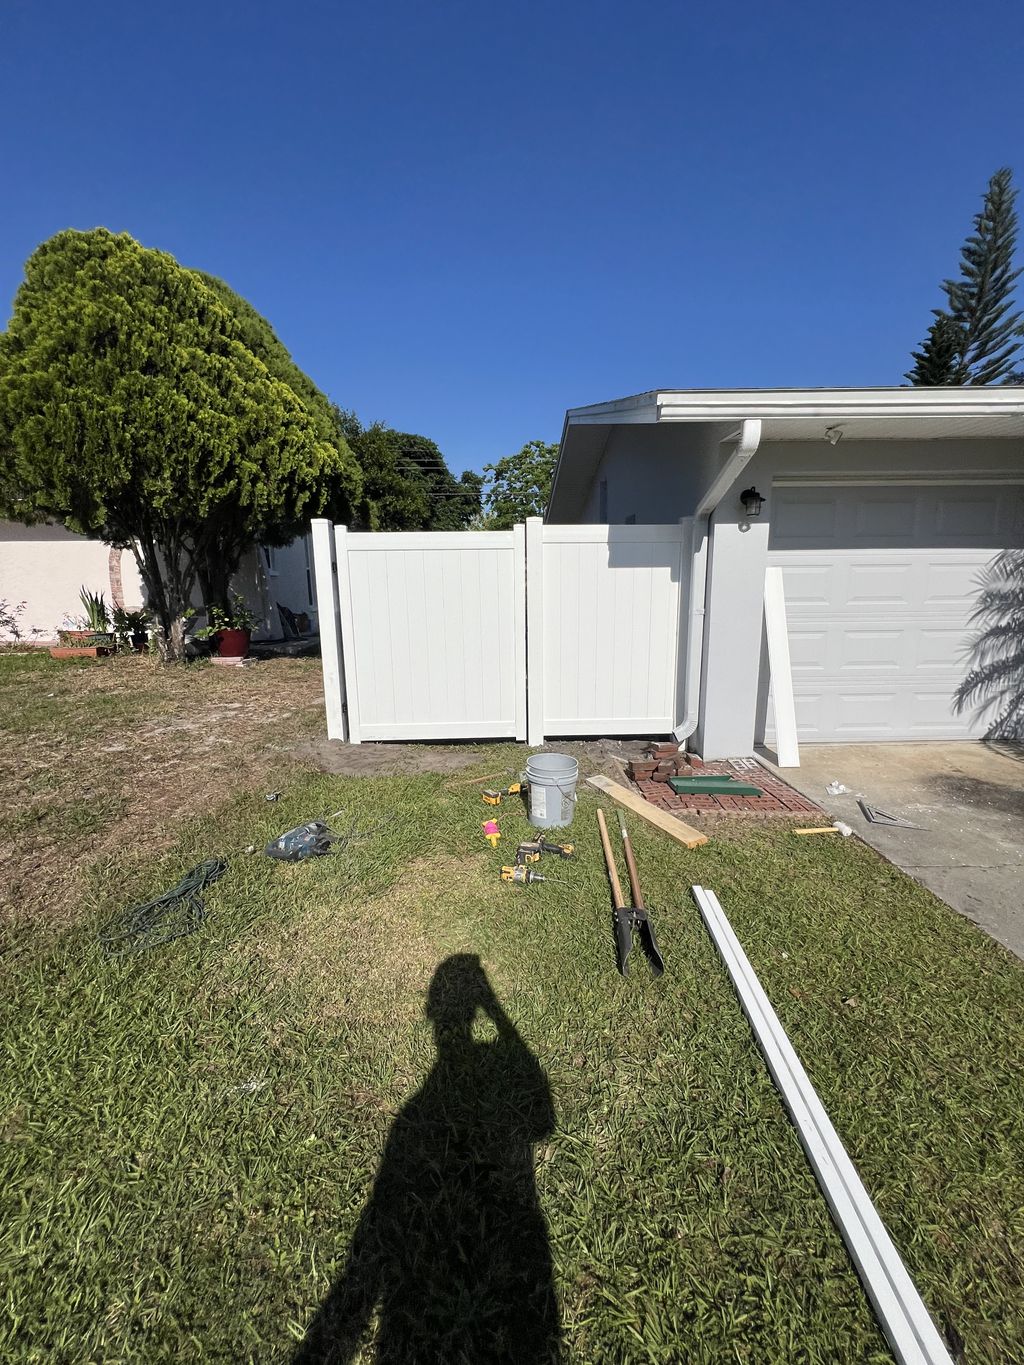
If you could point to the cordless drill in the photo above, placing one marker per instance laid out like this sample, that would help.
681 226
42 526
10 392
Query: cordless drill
529 851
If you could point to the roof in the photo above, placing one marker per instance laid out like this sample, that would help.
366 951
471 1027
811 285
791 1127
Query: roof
968 413
834 405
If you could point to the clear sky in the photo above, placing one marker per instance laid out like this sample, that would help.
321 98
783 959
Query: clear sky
463 218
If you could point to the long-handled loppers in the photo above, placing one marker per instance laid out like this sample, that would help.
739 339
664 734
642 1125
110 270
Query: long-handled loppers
629 919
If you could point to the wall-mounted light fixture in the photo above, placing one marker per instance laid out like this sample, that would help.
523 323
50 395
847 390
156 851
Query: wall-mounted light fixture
752 503
833 435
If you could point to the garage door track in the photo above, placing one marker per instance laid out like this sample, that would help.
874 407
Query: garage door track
969 799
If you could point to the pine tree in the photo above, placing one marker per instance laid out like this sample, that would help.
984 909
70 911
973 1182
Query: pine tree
976 340
938 360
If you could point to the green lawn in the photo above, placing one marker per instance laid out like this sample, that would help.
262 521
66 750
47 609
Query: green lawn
574 1163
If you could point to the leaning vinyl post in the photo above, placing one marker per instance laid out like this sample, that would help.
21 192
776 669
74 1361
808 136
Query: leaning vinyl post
325 575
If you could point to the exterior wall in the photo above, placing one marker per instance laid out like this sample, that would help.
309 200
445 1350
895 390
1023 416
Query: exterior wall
47 566
732 695
265 579
654 474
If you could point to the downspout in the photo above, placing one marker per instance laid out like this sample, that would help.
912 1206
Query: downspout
747 442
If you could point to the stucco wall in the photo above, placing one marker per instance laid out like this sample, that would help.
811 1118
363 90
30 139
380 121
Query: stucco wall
47 566
654 474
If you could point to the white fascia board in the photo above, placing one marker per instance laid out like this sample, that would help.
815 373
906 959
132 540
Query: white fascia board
639 407
837 405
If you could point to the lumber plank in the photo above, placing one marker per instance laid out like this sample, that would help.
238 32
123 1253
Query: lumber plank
668 824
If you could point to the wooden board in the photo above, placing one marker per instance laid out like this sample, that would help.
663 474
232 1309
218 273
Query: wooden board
668 824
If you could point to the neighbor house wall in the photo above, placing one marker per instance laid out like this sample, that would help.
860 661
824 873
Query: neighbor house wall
46 567
266 579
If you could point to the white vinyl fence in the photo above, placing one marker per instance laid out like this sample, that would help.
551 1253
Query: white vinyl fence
561 630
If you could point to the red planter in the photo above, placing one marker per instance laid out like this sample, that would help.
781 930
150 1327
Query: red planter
233 644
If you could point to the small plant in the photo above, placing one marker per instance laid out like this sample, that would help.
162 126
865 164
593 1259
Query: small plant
11 630
94 605
131 628
237 617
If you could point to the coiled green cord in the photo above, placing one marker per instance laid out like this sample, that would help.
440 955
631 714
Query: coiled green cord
178 912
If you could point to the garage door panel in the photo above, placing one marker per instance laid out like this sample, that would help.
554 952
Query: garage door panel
880 631
937 647
953 585
809 585
886 516
963 518
872 584
806 517
876 649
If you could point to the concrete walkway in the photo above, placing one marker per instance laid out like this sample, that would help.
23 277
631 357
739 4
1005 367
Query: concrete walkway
968 797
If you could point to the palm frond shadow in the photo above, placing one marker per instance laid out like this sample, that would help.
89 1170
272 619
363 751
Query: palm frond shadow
994 686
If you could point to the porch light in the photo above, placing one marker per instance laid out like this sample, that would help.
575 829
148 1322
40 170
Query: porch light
752 502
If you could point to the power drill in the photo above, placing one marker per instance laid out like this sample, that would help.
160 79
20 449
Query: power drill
530 850
493 796
522 875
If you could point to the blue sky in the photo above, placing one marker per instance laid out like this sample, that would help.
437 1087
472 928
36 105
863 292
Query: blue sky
463 218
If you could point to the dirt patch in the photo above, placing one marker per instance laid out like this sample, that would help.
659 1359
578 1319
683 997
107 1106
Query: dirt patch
118 754
607 756
382 760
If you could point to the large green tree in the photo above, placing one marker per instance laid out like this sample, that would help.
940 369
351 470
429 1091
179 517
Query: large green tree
976 339
407 485
146 405
518 485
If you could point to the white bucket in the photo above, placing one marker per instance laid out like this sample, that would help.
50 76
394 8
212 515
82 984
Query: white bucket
552 789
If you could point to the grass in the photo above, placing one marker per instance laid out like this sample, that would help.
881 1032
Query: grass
192 1136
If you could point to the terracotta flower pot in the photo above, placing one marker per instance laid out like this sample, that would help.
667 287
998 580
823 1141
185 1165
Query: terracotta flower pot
233 644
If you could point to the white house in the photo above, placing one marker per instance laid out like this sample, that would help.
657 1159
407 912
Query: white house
46 566
881 506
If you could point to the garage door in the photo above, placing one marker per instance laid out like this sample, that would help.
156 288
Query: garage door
880 585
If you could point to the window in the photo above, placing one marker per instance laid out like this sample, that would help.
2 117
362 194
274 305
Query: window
270 558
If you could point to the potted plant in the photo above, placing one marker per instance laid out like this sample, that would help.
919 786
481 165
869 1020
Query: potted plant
131 628
89 633
231 630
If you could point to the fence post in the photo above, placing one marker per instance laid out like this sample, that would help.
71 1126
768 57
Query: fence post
325 573
534 630
349 653
519 625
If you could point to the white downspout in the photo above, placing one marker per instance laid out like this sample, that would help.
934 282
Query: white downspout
747 442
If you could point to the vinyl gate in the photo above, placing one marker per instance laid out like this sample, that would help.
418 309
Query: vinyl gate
567 630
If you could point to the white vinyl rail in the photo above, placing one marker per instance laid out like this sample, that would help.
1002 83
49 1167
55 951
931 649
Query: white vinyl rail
901 1311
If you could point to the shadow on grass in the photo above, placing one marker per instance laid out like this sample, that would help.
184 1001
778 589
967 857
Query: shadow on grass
452 1247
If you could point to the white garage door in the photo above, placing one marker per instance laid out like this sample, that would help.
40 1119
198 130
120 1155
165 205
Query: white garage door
880 585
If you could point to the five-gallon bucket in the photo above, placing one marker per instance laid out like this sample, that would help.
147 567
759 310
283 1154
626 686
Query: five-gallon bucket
552 789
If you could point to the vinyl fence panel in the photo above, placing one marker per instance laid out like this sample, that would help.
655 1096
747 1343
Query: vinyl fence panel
436 634
611 628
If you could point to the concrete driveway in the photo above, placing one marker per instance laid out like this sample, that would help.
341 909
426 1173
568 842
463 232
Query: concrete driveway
969 798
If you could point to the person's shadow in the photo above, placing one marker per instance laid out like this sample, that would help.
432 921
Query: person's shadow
452 1247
